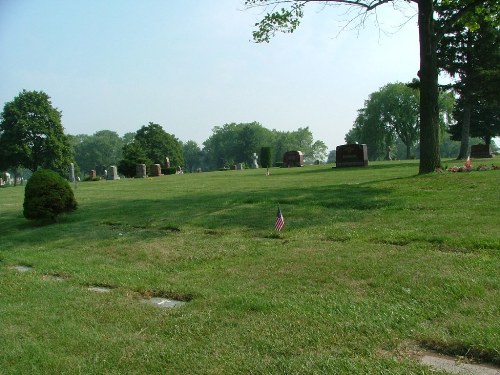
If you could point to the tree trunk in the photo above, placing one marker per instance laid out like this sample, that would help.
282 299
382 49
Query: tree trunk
464 142
429 111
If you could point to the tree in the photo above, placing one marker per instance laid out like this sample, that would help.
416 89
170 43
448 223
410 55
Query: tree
288 19
133 154
104 148
235 143
31 134
390 116
265 157
192 155
158 145
473 57
483 117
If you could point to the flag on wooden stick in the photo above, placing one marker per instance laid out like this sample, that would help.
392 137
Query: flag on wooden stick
280 221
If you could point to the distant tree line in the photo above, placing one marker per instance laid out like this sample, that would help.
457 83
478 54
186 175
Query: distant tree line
229 144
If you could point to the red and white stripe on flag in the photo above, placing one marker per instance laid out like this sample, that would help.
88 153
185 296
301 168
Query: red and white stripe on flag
280 221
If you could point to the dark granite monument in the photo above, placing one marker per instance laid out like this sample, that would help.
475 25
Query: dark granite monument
293 159
480 151
352 155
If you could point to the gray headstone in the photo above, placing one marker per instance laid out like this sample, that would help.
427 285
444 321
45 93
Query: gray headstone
112 173
255 157
72 172
140 171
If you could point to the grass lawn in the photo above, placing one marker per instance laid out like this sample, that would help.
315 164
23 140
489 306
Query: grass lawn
372 263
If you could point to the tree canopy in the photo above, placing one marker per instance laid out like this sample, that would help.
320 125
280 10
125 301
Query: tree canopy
158 145
31 134
391 114
235 143
469 52
287 19
100 150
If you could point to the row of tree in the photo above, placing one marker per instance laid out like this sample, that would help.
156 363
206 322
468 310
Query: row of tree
32 136
390 117
469 52
440 22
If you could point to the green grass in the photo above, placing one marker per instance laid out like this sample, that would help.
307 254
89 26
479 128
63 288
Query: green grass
370 260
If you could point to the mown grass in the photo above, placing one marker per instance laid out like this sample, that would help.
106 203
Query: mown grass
370 260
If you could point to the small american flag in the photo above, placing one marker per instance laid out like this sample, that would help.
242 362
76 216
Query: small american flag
280 221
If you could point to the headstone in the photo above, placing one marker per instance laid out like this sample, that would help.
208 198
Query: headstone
352 155
167 162
293 159
140 171
232 167
155 170
254 163
481 151
92 174
179 170
240 166
112 173
1 181
71 172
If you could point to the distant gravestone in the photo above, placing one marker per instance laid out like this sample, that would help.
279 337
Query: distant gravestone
481 151
140 171
72 172
293 159
92 174
240 166
155 170
167 162
254 162
112 173
352 155
232 167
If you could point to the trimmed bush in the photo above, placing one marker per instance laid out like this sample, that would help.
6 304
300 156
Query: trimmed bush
265 157
47 195
169 170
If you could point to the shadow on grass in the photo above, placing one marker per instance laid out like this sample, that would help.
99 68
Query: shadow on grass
254 211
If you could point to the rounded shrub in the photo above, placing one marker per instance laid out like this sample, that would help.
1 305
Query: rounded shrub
47 195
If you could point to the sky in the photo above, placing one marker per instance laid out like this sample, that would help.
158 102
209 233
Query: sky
191 65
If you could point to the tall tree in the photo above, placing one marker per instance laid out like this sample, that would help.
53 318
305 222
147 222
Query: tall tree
158 145
391 114
287 19
103 148
31 134
470 53
192 155
235 143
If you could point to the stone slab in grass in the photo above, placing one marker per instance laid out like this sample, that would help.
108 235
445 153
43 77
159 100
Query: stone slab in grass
452 366
99 289
163 302
22 268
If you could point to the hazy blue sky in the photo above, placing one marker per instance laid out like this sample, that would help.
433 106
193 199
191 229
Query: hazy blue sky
190 65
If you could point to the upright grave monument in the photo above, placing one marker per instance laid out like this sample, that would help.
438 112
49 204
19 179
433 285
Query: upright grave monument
140 171
71 172
112 173
155 170
480 151
352 155
293 159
